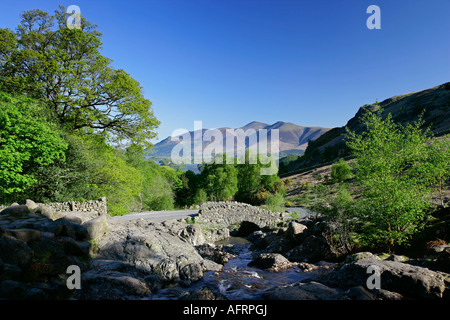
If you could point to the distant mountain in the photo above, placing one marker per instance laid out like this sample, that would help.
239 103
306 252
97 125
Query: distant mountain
434 103
293 138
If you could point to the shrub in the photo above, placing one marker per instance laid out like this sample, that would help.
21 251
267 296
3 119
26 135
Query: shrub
200 196
341 171
275 202
391 166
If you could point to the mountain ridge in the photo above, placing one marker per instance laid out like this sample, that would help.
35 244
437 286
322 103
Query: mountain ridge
406 108
293 138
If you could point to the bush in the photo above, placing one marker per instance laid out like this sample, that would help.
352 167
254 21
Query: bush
275 202
392 164
341 171
200 197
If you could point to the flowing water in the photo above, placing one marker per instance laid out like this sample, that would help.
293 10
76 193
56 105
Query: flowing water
237 281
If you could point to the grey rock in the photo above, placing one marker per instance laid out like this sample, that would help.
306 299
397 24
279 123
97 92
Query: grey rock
270 261
47 212
214 253
408 280
96 228
73 247
361 256
204 293
192 234
30 204
305 291
360 293
296 231
312 249
152 251
15 251
15 210
111 285
26 235
64 227
49 258
395 257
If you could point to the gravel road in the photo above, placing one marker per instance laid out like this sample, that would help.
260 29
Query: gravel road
158 216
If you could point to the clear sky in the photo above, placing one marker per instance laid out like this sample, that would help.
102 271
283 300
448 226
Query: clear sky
230 62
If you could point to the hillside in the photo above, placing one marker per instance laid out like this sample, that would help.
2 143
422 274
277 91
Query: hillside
405 108
293 138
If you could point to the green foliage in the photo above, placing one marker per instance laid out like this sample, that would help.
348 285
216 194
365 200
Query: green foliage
158 183
27 143
64 68
251 181
220 181
391 168
60 149
200 196
341 171
275 202
340 213
439 164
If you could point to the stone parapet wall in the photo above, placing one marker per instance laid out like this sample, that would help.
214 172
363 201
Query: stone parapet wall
93 206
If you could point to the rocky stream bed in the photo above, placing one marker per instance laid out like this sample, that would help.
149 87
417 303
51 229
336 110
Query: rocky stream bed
179 260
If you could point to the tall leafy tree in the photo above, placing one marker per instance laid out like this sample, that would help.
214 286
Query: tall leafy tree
64 67
27 143
439 164
220 179
391 166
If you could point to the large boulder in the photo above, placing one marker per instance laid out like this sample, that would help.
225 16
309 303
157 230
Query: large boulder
15 210
96 228
193 234
406 279
101 284
153 252
30 204
47 212
312 249
14 251
64 227
214 253
296 232
305 291
26 235
271 261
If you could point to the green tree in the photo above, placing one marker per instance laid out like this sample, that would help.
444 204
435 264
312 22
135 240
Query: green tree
64 67
158 184
341 171
200 197
220 178
69 179
275 202
391 166
439 156
27 143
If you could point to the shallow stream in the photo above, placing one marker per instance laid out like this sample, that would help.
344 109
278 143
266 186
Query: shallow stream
237 281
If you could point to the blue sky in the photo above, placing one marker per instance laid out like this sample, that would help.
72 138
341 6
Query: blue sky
230 62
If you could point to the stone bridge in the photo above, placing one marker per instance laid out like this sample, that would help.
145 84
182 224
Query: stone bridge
227 213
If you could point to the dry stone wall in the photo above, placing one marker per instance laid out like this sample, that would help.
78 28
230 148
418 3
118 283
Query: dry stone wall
91 206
